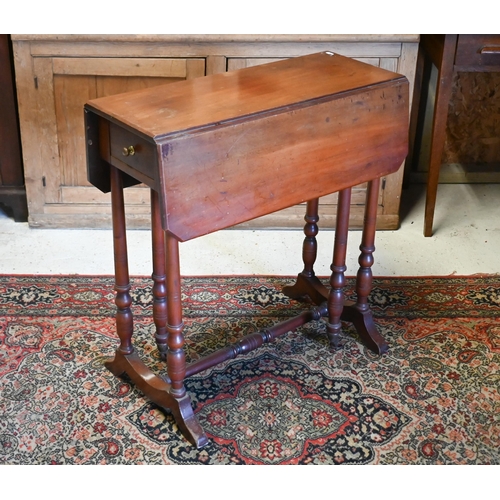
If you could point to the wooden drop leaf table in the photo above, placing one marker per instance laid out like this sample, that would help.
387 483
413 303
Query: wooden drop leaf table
223 149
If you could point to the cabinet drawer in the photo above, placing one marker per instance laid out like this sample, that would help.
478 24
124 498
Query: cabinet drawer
479 51
134 151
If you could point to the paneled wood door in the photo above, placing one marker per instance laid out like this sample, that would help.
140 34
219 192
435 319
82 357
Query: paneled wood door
61 86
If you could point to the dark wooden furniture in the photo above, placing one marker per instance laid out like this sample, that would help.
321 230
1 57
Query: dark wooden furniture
12 190
223 149
450 54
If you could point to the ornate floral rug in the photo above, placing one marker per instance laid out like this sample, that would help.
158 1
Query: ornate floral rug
434 398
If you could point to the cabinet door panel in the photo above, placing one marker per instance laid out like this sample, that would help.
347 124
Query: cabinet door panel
69 93
128 67
235 63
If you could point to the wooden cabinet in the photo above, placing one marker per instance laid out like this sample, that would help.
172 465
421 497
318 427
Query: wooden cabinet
57 74
12 191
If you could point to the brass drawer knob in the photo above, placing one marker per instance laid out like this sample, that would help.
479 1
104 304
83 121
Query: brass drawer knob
130 151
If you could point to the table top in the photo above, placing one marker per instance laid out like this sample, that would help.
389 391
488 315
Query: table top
227 148
199 103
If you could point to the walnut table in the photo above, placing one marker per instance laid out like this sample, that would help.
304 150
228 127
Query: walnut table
223 149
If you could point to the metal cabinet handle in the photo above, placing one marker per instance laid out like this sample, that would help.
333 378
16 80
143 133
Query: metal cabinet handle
490 50
129 151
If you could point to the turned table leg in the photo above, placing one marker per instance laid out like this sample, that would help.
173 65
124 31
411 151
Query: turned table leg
364 277
308 285
310 245
176 361
360 313
338 268
168 393
124 320
159 277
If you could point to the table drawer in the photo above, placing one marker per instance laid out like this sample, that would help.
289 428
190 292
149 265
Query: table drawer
134 151
482 52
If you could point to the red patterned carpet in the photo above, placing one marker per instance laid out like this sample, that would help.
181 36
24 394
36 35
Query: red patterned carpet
434 398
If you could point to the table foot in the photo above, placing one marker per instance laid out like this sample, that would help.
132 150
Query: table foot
312 288
307 287
366 328
333 332
157 390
